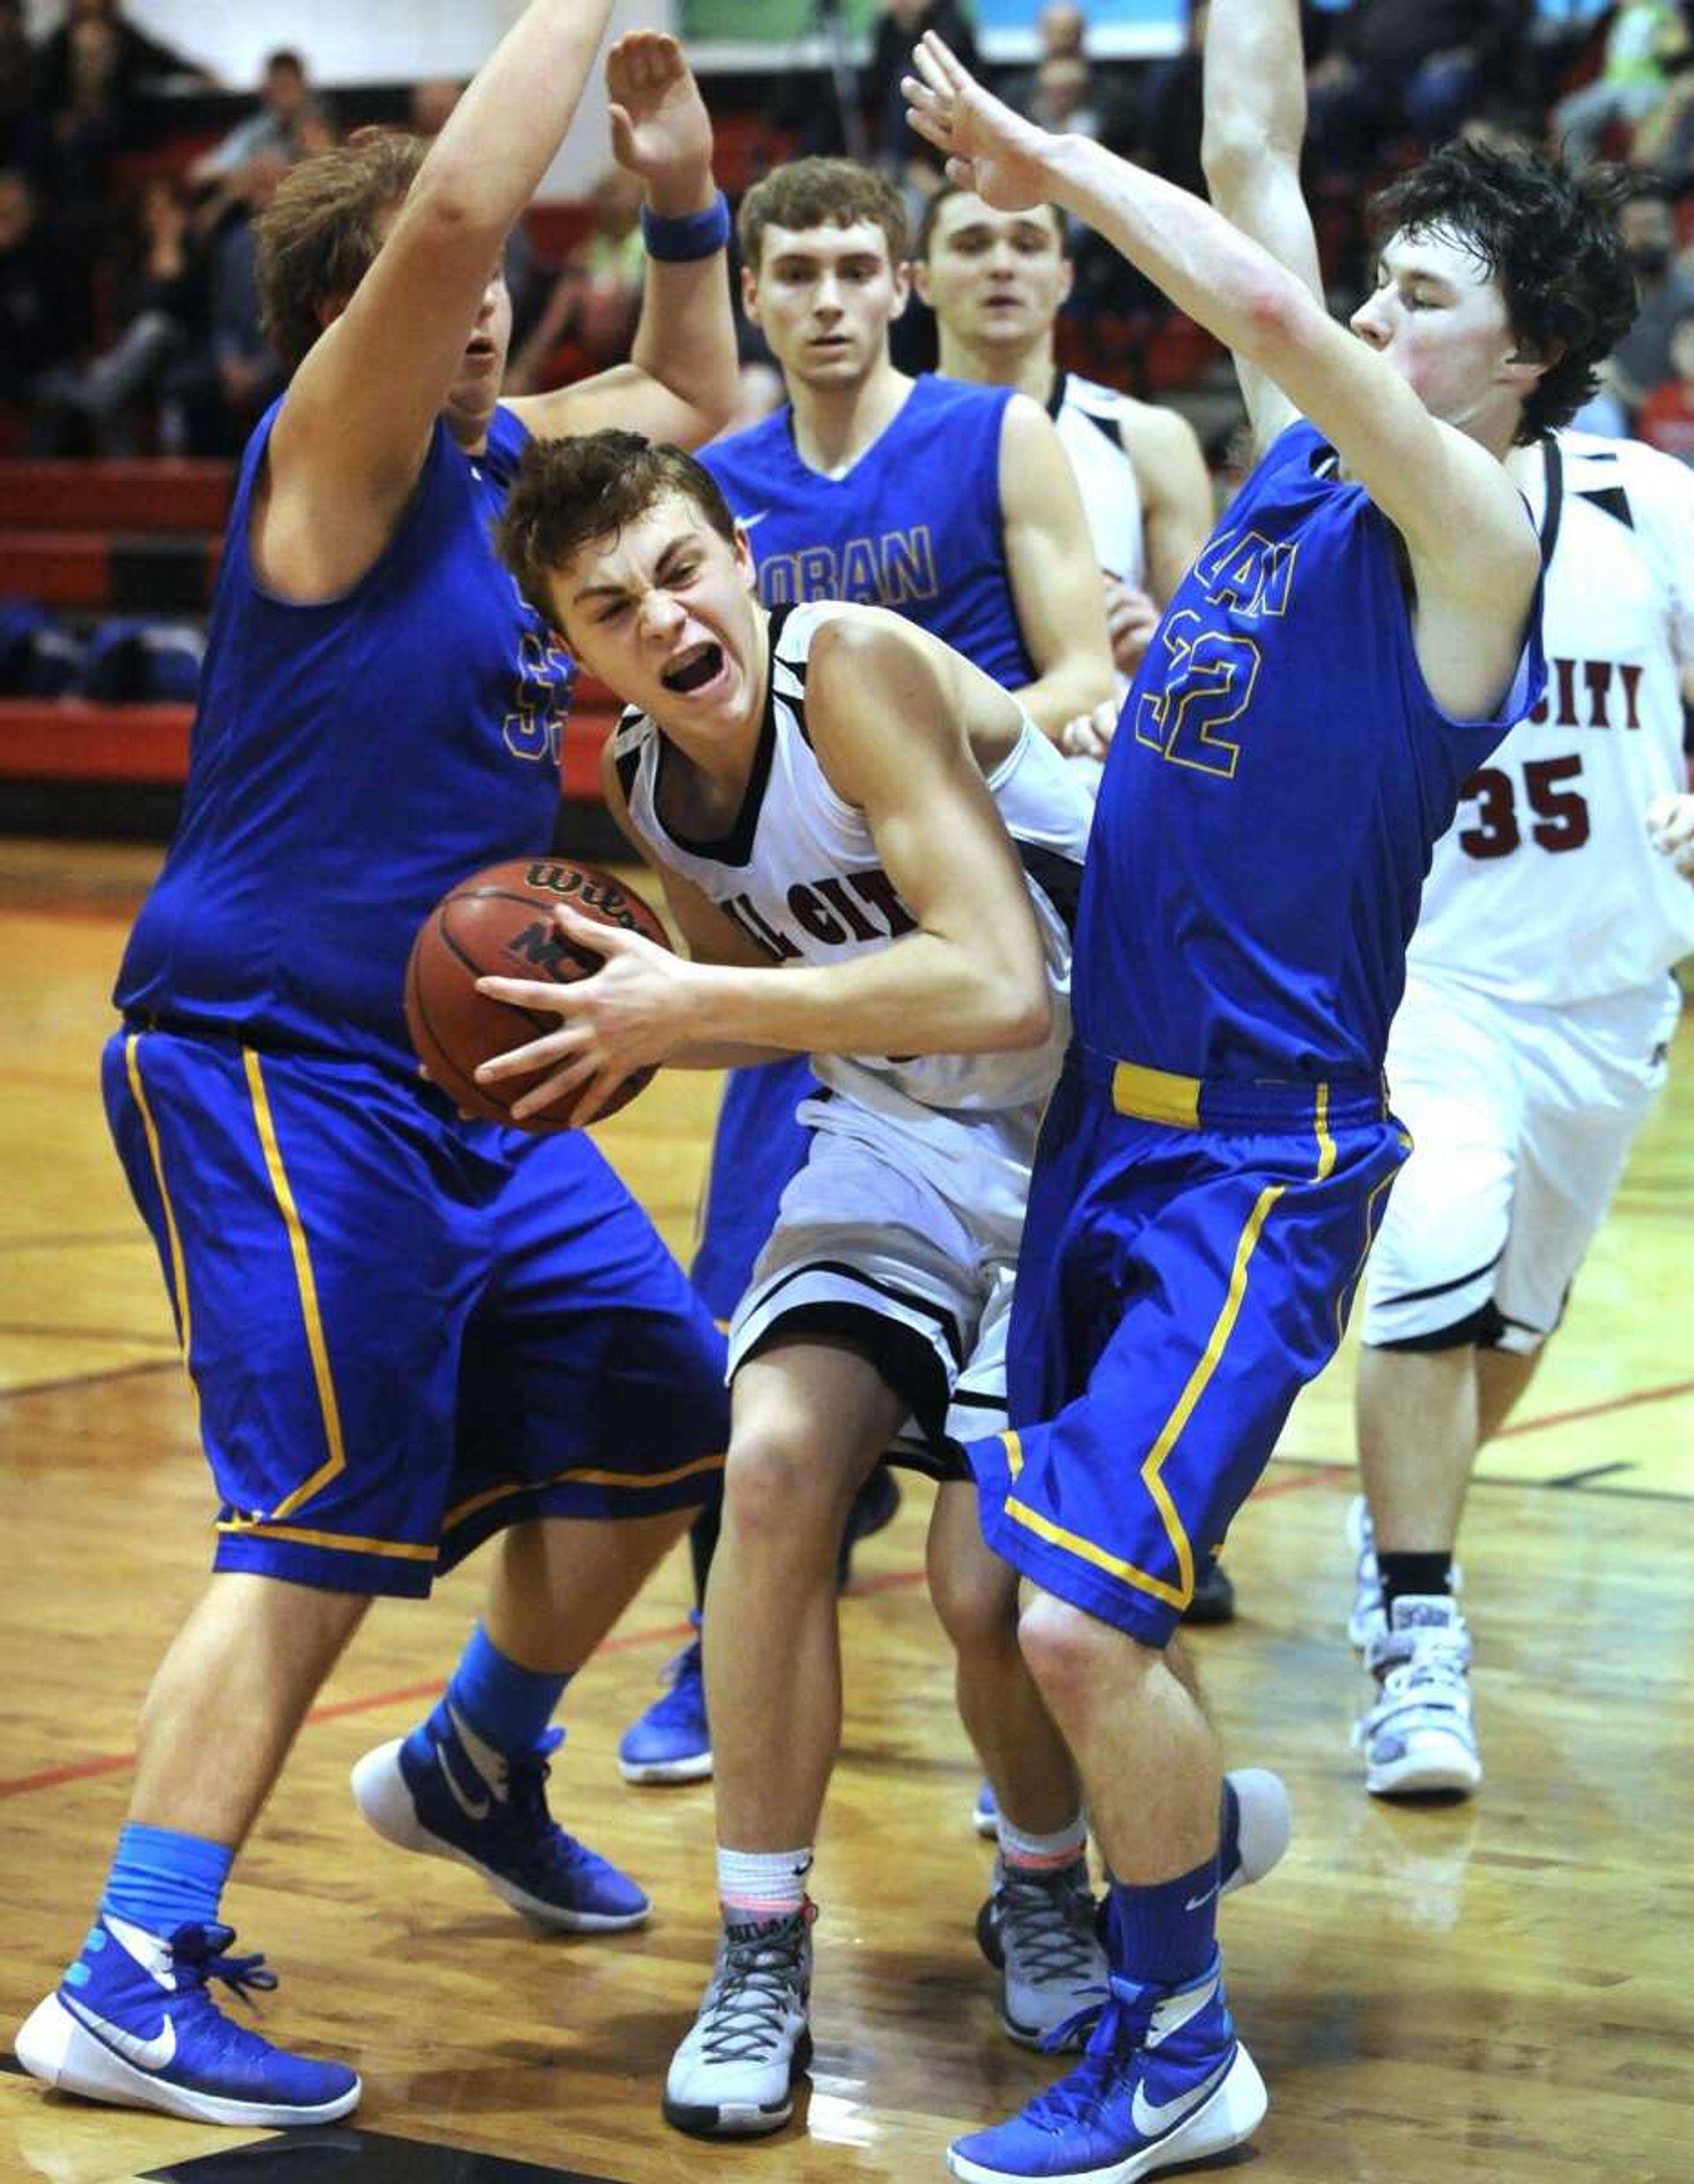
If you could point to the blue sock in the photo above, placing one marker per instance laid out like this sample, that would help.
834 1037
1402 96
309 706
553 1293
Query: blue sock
507 1705
1164 1935
161 1880
1229 1833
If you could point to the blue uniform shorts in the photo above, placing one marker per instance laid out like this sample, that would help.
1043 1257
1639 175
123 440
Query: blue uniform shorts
1188 1262
758 1151
405 1331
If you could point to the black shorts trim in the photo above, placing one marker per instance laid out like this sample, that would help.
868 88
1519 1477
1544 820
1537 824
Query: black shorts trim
1481 1330
908 1299
905 1359
1441 1288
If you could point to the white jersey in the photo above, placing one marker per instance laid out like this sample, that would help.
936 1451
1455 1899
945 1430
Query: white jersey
1546 890
1087 416
800 876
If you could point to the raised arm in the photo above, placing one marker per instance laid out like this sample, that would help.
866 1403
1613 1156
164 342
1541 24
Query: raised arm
1055 582
680 382
353 432
1254 106
1472 549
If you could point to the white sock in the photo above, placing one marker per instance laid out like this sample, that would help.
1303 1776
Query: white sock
1042 1854
762 1884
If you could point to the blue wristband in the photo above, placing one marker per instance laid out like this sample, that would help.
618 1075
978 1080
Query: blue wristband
673 242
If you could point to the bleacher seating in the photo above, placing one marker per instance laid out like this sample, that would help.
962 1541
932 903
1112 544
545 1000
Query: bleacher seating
144 537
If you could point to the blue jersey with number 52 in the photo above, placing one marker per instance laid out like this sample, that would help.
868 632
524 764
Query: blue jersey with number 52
351 760
1279 774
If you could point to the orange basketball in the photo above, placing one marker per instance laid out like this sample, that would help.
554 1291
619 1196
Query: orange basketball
500 922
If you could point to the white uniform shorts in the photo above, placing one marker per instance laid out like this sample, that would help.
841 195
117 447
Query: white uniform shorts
902 1236
1521 1120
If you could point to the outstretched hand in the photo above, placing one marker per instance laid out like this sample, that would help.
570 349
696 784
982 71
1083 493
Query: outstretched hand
629 1015
660 128
988 148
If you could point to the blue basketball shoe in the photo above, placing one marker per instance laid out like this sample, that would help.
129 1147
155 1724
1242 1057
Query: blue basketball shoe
470 1802
672 1741
133 2023
1162 2079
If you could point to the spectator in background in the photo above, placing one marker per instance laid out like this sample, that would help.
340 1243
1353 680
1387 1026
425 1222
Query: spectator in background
45 307
1667 418
20 133
284 98
93 75
162 304
1646 38
596 296
898 27
213 395
1166 136
430 103
1641 361
1420 67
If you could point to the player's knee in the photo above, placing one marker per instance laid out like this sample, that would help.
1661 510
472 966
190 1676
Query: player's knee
976 1600
778 1497
1074 1657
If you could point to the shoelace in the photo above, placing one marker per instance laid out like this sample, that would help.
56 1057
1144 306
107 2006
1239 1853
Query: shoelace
1048 1921
752 1994
1425 1689
526 1803
682 1674
202 1951
1115 2026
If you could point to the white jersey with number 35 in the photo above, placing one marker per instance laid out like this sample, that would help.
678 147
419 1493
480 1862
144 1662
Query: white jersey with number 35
1545 888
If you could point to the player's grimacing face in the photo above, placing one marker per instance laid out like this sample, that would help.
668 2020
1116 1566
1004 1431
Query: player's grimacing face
824 298
1439 317
994 278
662 613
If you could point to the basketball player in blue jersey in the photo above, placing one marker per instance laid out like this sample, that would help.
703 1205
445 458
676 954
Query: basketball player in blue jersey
406 1332
1353 640
954 506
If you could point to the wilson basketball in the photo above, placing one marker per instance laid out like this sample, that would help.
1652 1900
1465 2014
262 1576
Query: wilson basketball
500 922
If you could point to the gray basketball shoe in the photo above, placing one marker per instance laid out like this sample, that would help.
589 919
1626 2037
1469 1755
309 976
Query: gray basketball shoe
733 2077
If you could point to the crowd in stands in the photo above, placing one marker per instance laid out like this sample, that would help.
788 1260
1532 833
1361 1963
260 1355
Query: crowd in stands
129 318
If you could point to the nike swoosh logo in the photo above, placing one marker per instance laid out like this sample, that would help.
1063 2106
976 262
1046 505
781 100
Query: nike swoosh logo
1194 1901
158 2053
473 1808
1173 2014
747 522
1154 2119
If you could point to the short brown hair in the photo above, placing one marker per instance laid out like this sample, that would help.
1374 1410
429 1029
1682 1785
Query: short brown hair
319 235
821 193
569 492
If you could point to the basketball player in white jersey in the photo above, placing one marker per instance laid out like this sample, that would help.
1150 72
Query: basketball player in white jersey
1528 1051
996 282
828 792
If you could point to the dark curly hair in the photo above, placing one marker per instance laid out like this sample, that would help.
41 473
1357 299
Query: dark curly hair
567 492
1549 234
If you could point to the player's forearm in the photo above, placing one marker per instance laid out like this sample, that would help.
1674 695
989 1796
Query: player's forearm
923 996
685 337
1056 699
1222 279
499 140
1255 96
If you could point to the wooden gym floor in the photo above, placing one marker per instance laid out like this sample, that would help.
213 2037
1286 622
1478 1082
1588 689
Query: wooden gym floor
1496 1993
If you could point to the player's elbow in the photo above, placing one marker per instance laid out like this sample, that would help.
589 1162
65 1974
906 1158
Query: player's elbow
1278 318
1019 1012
